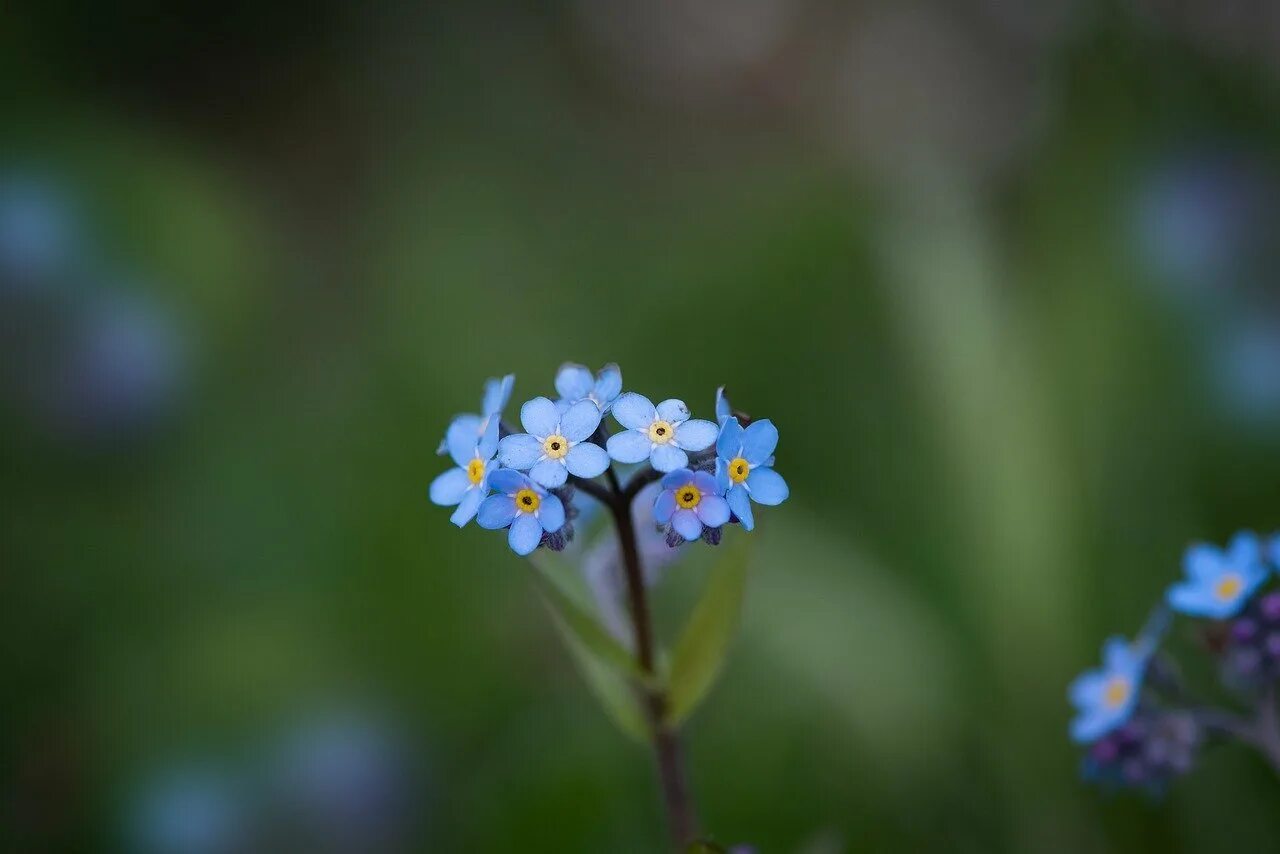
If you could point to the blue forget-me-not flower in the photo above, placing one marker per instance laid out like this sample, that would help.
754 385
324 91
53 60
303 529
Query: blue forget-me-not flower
523 505
468 483
574 383
1218 583
660 434
690 500
555 445
497 392
1105 697
744 468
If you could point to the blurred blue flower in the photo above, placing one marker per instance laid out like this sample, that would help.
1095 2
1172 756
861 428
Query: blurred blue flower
1219 583
522 504
744 468
574 383
468 483
1245 360
660 434
690 500
190 810
555 445
497 392
1105 698
38 233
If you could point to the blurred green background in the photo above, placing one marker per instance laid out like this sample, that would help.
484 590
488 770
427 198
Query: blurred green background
1004 274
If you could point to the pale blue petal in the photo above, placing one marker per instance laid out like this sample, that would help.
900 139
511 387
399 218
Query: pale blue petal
468 506
549 473
525 534
713 510
634 411
668 458
551 514
496 394
497 511
508 481
539 417
608 384
722 477
629 446
664 506
673 410
448 489
676 479
489 440
1086 690
1090 726
696 435
687 524
758 441
519 451
1202 562
1117 655
1194 600
1245 549
723 410
587 460
580 421
729 445
462 437
740 504
767 487
706 483
573 381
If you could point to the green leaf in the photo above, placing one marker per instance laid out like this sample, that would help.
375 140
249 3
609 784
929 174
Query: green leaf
616 693
583 625
700 651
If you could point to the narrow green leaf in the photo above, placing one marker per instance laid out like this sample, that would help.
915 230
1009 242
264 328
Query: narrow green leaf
616 693
700 651
583 626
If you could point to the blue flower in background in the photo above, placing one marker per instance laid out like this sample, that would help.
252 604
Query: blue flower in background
1105 697
690 500
555 445
497 392
574 383
660 434
723 410
1219 583
744 468
468 484
526 507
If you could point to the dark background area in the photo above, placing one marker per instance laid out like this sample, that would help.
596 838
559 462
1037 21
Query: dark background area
1003 274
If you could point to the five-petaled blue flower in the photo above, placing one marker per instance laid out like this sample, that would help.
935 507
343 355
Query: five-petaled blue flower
1105 698
690 500
468 483
574 383
496 394
1218 583
660 434
526 507
555 445
744 468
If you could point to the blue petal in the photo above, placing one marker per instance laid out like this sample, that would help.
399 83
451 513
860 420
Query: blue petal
573 381
489 440
696 435
1194 600
722 477
723 410
634 411
508 481
706 483
729 445
1275 552
740 504
497 511
459 422
519 451
687 524
462 437
608 384
496 394
676 479
673 410
448 489
668 458
525 534
629 446
713 510
1202 562
664 506
1090 726
1086 690
551 514
580 421
758 441
549 473
1118 655
586 460
1245 549
539 417
468 506
767 487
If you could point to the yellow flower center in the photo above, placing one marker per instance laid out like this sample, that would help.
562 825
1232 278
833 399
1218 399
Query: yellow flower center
527 501
1227 587
688 496
661 432
738 470
1116 692
556 446
475 471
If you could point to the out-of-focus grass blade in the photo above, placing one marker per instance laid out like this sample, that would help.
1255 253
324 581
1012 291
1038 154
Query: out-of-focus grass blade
700 651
